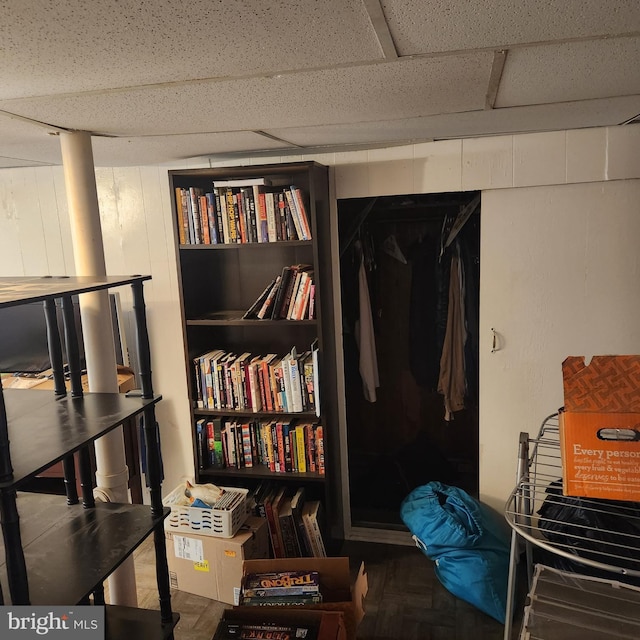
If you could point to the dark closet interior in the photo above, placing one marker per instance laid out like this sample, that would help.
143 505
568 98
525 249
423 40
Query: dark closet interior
393 250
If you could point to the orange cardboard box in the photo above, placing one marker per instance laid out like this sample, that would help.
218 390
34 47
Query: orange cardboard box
600 427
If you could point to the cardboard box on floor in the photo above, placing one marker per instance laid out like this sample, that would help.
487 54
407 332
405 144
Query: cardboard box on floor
600 427
335 583
330 623
212 567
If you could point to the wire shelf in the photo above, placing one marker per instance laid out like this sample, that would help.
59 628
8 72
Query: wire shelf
601 534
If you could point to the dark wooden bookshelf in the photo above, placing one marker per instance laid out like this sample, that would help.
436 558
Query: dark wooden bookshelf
219 282
58 550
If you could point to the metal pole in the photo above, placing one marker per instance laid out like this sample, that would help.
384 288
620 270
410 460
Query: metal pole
523 456
86 232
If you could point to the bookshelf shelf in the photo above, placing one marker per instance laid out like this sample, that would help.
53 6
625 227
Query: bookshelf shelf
302 415
220 281
234 318
262 473
260 246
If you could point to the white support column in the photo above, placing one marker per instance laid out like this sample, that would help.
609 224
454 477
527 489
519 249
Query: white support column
86 232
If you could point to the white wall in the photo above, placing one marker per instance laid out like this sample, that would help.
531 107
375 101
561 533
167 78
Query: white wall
560 214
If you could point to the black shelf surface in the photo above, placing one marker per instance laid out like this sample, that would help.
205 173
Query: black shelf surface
70 550
262 472
230 413
234 318
15 291
243 245
136 624
43 429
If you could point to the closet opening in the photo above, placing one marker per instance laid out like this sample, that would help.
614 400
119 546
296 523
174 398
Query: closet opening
410 284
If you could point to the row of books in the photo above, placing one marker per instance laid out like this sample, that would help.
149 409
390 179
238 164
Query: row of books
296 524
250 382
230 214
290 295
282 447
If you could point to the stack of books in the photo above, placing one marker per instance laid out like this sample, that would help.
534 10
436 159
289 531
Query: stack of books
289 296
296 524
281 588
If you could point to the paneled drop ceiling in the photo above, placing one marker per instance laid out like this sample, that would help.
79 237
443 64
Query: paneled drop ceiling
162 80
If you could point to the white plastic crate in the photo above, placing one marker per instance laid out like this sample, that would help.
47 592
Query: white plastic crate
222 520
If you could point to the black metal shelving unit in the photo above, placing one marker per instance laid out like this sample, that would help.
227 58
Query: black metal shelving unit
57 550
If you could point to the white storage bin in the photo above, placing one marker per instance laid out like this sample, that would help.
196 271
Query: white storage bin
222 520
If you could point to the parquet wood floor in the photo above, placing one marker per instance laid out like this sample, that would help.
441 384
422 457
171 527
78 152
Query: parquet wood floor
405 600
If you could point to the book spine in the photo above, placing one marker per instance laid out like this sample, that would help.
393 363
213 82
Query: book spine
272 234
182 238
270 431
195 214
261 204
286 445
302 211
289 540
198 383
281 393
296 390
274 443
280 293
261 385
294 214
241 216
319 440
282 215
310 445
218 457
294 293
255 388
252 213
301 448
275 391
266 381
201 443
273 535
280 445
247 449
214 234
270 299
204 219
231 215
223 223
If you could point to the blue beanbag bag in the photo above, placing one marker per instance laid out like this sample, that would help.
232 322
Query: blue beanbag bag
467 541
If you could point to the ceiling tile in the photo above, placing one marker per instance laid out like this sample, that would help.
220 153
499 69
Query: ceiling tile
571 71
427 27
399 89
23 144
65 46
570 115
118 152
